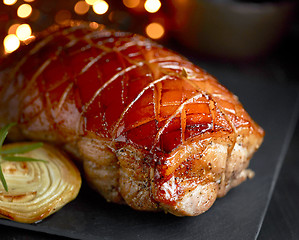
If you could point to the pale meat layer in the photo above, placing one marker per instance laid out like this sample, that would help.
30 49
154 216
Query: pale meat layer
150 129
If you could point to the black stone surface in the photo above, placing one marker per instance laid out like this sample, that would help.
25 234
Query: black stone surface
239 215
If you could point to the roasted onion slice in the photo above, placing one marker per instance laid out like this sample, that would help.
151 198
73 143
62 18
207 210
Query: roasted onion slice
37 189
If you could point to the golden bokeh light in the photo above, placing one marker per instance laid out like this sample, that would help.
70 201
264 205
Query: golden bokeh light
9 2
100 7
23 32
131 3
155 30
93 25
29 1
13 28
24 10
62 16
152 6
111 16
11 43
91 2
81 7
29 40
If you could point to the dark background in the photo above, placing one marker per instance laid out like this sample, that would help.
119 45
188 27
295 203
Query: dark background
282 217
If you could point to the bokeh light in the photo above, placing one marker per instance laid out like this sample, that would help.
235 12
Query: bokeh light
152 6
100 7
23 32
24 10
29 40
81 7
93 25
62 16
29 1
9 2
155 30
131 3
11 43
13 28
91 2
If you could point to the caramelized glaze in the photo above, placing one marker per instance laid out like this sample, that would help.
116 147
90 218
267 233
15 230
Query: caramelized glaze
75 82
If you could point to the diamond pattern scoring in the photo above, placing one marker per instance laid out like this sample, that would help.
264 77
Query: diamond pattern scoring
121 86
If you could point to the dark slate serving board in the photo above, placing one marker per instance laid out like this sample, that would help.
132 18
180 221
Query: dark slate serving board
238 215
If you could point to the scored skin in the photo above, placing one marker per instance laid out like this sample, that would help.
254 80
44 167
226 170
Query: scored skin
150 129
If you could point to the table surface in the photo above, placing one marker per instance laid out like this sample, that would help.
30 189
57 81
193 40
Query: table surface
282 217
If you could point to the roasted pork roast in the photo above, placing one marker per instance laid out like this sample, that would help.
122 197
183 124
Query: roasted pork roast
150 129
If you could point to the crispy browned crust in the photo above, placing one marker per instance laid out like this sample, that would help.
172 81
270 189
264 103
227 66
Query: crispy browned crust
152 129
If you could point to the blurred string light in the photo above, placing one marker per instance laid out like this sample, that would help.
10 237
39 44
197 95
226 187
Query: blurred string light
152 6
24 10
100 7
13 28
81 7
9 2
23 32
91 2
16 33
94 25
131 3
155 30
11 43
